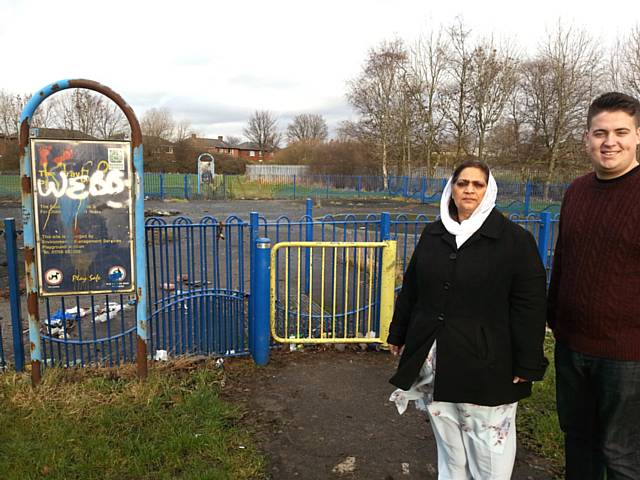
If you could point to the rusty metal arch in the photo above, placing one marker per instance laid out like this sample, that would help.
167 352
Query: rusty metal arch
28 219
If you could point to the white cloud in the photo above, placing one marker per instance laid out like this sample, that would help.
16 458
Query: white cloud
216 62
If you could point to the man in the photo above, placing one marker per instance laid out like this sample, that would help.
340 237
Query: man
594 300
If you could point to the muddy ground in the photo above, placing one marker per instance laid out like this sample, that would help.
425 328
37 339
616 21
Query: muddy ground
320 410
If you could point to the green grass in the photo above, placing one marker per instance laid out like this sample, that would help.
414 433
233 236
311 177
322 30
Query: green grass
99 424
538 427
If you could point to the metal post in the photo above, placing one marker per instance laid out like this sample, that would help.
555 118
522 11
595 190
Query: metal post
308 238
327 186
387 288
14 292
162 186
543 238
294 187
253 236
423 190
385 226
527 197
186 187
260 325
359 187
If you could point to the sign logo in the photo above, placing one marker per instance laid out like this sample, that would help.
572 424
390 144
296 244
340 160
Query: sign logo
53 277
117 273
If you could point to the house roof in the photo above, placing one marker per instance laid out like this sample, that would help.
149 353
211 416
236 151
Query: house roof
249 146
63 134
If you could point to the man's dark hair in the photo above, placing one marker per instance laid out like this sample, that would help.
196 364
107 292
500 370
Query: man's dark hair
613 102
453 210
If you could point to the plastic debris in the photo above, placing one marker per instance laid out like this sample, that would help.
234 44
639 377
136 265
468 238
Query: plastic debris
109 311
405 469
161 356
220 363
348 465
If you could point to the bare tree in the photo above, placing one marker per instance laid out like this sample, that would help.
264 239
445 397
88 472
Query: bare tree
262 129
458 107
10 108
182 130
233 140
560 82
493 77
374 95
307 127
625 64
428 67
158 123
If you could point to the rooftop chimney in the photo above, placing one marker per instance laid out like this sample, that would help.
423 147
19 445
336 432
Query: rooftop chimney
220 137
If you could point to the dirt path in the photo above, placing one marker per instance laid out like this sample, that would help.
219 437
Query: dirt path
313 410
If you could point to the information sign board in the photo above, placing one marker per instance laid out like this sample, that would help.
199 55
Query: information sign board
83 216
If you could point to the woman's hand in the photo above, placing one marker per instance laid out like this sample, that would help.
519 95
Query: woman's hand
517 379
396 349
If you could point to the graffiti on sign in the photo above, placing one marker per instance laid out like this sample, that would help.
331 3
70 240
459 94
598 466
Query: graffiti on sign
83 213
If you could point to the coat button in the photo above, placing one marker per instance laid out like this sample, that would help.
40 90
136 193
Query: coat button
453 256
447 285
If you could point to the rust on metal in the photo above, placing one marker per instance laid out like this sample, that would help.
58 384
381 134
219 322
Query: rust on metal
25 184
32 346
141 358
32 303
36 374
55 87
24 135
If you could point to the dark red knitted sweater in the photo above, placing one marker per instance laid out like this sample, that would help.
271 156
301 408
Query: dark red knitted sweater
594 295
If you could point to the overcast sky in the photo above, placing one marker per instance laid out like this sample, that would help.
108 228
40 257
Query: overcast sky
215 62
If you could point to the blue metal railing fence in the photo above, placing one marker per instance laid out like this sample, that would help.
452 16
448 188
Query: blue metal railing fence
201 283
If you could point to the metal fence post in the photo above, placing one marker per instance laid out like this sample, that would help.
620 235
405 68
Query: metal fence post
527 197
162 186
543 237
308 238
294 187
423 189
259 328
14 292
253 235
186 187
385 226
359 186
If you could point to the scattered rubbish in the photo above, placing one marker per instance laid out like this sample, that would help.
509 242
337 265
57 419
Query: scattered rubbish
69 315
220 363
109 311
348 465
405 469
161 356
295 347
161 213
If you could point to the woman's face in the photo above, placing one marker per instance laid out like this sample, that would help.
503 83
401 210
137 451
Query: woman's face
468 191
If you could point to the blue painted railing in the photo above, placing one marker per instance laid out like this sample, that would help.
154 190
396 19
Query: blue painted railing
201 276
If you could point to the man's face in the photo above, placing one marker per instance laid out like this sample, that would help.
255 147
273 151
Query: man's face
611 142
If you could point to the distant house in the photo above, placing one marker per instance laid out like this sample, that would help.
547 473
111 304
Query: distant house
252 151
212 145
247 150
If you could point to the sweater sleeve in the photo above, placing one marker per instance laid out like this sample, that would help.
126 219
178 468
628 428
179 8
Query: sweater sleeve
556 273
527 311
404 302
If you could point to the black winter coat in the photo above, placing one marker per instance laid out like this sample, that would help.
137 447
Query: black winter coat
484 304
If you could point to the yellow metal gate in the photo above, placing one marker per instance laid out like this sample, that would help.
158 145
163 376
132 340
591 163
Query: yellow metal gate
332 292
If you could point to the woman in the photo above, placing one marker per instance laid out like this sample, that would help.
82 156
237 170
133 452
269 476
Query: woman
469 325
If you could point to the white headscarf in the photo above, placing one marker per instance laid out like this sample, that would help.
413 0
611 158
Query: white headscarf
463 230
